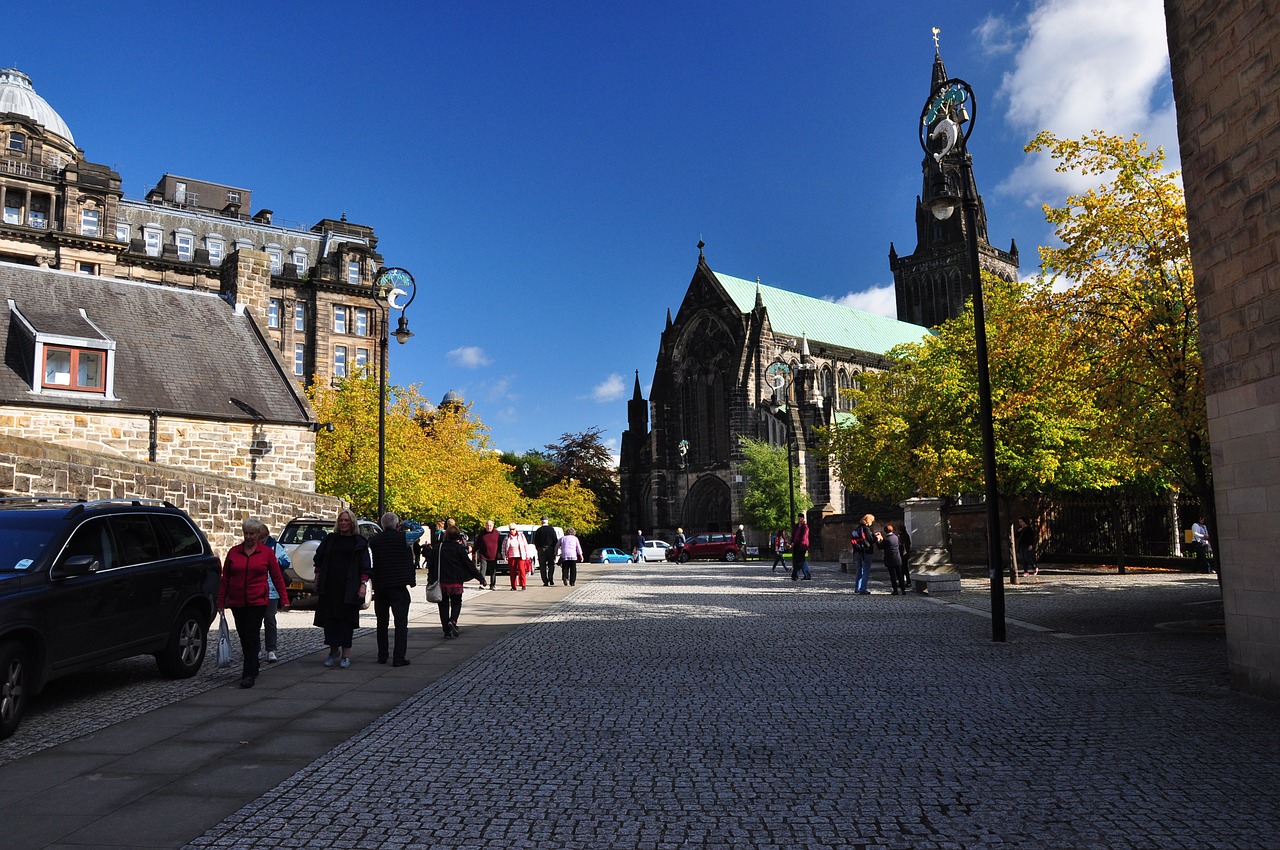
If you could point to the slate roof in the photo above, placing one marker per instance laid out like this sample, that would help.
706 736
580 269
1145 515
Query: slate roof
791 314
178 352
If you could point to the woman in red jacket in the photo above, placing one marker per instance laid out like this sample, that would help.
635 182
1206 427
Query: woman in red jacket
243 589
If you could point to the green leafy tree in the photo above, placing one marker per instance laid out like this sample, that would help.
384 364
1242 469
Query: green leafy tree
1129 297
568 503
584 458
766 504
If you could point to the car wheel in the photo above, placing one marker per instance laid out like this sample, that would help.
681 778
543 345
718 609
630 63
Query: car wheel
684 557
182 656
731 555
14 687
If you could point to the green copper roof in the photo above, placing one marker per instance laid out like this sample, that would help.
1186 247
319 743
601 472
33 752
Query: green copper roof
796 315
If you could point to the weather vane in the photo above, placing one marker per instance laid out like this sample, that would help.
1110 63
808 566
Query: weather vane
935 39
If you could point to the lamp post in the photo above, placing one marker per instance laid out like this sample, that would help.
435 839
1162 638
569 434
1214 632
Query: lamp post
683 448
781 379
396 290
943 129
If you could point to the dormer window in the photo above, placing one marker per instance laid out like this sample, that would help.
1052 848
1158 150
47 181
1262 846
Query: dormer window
353 272
233 197
17 141
77 358
277 258
216 248
78 369
185 241
300 261
151 236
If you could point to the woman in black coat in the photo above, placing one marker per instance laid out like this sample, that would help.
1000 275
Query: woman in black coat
451 565
893 560
343 566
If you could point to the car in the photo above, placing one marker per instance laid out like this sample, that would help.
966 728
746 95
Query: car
709 545
655 550
300 538
85 583
527 530
609 556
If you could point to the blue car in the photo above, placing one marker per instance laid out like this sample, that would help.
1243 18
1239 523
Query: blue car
609 556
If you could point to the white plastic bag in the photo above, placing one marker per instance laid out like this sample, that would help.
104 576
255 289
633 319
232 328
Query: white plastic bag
224 641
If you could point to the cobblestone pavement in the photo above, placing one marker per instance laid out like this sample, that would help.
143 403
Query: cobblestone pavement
720 706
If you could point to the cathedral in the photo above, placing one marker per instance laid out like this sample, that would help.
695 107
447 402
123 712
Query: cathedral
736 346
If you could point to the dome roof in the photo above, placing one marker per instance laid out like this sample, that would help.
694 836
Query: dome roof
17 95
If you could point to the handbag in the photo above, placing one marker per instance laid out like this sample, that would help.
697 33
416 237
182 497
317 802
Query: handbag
224 641
435 593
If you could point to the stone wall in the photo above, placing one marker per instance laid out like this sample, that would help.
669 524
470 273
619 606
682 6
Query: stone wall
279 455
217 504
1225 59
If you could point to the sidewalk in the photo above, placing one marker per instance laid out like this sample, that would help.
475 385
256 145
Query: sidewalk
708 706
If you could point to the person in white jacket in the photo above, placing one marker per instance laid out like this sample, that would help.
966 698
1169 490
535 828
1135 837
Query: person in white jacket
519 556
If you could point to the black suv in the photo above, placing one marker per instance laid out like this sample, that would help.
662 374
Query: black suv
87 583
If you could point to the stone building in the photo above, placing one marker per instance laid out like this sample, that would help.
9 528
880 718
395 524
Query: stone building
1225 59
61 211
714 382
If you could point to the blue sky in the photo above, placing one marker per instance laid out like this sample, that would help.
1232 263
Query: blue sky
545 170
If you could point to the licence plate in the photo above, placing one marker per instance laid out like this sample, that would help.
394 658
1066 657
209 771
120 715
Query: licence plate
296 585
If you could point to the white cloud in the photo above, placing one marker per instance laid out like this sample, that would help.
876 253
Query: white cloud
611 388
1085 65
469 357
878 299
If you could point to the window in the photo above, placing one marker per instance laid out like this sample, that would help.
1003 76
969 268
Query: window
180 192
86 268
353 272
339 319
215 246
277 258
299 316
233 197
299 359
12 213
17 141
122 231
362 358
89 222
339 361
36 219
151 235
74 369
362 321
273 313
300 261
185 240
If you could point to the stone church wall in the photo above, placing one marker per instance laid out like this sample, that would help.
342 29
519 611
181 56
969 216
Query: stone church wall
217 504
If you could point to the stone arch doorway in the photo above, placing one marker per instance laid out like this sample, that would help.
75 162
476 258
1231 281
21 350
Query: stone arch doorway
709 506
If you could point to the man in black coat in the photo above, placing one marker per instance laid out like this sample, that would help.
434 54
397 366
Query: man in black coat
393 574
544 540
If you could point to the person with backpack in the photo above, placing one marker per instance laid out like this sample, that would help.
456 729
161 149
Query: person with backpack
863 541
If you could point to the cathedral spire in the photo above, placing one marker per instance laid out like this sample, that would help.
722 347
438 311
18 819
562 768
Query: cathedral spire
635 395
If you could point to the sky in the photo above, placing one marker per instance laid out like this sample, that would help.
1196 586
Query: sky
546 170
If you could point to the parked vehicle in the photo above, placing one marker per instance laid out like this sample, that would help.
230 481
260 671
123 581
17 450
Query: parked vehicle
87 583
609 556
527 530
300 538
655 550
710 545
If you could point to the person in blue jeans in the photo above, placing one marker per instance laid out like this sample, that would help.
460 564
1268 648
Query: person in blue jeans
863 542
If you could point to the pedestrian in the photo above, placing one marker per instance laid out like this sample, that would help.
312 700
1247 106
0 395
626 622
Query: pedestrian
894 560
1025 540
393 574
247 571
778 543
519 554
681 540
488 544
863 542
451 565
638 554
271 644
342 568
800 549
570 555
544 540
1200 539
740 540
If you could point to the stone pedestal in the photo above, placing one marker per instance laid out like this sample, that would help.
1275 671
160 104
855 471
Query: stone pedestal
923 521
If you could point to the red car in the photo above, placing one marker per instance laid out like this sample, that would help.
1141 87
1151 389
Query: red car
708 546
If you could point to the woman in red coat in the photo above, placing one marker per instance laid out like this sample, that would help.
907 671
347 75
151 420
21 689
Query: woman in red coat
245 573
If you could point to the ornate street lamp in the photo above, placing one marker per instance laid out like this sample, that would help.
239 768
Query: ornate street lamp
950 107
781 379
396 290
683 448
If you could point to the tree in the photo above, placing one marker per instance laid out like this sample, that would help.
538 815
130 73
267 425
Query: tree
584 458
1131 305
766 504
438 462
568 503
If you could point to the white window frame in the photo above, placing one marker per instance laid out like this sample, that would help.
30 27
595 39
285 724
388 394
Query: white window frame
90 222
339 361
277 258
12 213
353 272
185 241
273 313
217 248
233 197
299 316
362 358
299 258
17 141
299 359
360 326
339 318
123 231
152 236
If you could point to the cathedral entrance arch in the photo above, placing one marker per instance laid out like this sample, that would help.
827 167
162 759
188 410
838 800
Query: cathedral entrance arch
709 506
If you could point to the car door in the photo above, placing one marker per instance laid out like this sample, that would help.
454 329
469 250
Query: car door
91 611
145 565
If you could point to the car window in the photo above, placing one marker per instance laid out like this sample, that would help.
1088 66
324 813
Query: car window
135 539
303 531
180 534
93 538
24 535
